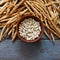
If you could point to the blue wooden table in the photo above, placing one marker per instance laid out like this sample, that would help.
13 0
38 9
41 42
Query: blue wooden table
42 50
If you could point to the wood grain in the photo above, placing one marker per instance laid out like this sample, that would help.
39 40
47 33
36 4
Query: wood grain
42 50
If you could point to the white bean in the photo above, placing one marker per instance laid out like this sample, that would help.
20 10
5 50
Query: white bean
30 29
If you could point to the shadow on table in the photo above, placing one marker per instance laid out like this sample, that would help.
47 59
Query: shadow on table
32 51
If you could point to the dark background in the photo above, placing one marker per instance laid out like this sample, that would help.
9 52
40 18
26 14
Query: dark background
42 50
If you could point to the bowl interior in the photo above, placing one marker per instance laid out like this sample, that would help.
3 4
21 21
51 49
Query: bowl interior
35 18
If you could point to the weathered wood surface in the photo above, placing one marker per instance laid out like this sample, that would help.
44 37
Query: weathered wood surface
42 50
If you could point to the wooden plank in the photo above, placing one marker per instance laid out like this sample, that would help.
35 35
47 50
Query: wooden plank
42 50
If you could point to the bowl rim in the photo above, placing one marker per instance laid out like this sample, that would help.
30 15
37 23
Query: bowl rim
37 19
